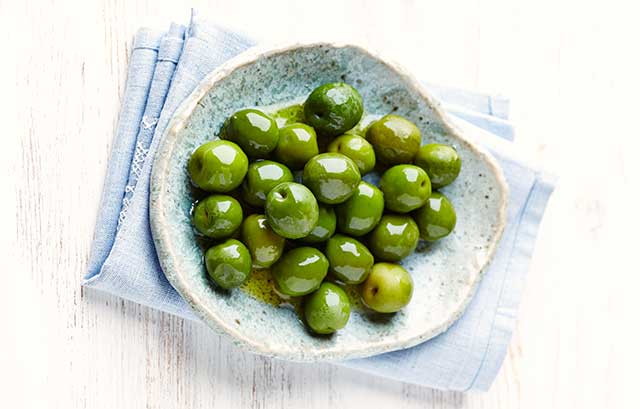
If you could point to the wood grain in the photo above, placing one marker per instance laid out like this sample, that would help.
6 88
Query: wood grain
571 71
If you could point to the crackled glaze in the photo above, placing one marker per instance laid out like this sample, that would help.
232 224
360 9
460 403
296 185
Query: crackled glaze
446 274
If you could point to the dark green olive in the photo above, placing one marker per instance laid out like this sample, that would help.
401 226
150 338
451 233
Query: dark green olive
253 130
349 260
292 210
395 140
394 238
263 243
298 143
300 271
362 211
217 216
441 162
437 218
327 309
388 288
405 188
261 177
332 109
218 166
228 263
332 177
357 149
325 228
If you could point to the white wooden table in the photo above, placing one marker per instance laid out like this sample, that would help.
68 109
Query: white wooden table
571 69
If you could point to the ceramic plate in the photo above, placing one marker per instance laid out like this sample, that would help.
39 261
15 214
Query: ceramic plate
446 274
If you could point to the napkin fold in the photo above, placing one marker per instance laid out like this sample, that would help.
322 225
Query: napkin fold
164 69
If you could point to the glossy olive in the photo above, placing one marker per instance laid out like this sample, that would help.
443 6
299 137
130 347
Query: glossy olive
327 309
362 211
289 115
300 271
253 130
405 188
388 288
394 238
325 228
441 162
334 108
218 166
332 177
437 218
357 149
217 216
292 210
349 260
261 177
228 263
263 243
297 144
395 140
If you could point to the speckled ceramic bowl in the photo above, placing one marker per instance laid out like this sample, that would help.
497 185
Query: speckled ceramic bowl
446 274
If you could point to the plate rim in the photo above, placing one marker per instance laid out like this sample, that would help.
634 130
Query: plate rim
161 239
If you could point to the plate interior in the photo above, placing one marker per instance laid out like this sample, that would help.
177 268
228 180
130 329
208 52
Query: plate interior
445 274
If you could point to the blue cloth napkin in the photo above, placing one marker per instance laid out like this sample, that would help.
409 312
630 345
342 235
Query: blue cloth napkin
164 68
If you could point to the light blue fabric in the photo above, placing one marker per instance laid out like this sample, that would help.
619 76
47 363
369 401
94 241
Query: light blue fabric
169 52
124 262
141 67
495 106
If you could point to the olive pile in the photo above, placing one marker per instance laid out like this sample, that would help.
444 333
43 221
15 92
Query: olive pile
252 169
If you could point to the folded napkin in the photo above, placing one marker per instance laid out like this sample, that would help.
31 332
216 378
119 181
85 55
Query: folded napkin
164 68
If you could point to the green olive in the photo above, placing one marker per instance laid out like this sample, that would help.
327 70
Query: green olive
327 309
332 177
228 263
292 210
218 166
388 288
437 218
405 188
396 140
362 211
261 177
349 260
325 228
217 216
263 243
297 144
394 238
357 149
300 271
255 132
441 162
334 108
